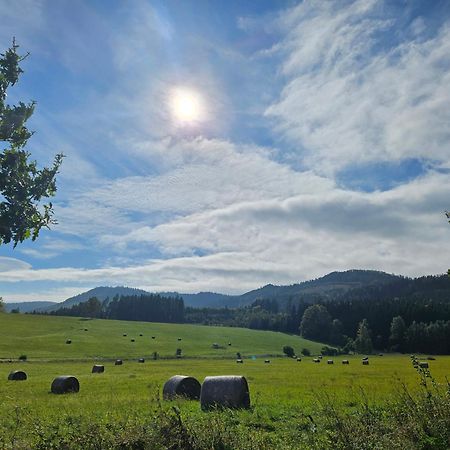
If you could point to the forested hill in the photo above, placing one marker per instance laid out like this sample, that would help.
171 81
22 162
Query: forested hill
327 288
101 293
336 286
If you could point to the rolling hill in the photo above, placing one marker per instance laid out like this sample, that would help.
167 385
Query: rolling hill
330 286
44 337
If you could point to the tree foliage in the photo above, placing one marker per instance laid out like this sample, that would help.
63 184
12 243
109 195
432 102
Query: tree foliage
22 184
363 341
397 336
288 351
316 323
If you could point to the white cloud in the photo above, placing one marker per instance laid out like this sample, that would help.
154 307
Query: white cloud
253 243
12 264
350 97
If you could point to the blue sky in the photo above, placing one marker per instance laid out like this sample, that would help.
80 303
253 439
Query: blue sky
321 142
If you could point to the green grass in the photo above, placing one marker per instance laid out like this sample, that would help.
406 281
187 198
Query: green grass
44 337
123 407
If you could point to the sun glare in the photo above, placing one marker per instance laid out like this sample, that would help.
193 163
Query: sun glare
186 106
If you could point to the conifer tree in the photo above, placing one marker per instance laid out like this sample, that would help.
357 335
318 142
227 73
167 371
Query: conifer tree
363 341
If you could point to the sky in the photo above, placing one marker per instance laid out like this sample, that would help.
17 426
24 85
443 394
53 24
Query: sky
224 145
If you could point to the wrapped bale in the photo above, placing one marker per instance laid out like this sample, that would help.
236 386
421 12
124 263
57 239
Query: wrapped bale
330 361
65 384
97 368
345 361
229 391
17 375
299 359
141 360
181 386
118 362
267 361
240 361
365 362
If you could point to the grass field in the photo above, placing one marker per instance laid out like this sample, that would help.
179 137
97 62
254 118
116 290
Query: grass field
122 407
44 337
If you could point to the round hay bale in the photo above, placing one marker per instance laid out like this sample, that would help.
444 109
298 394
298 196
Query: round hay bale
330 361
365 362
230 391
68 341
423 365
316 360
320 356
366 358
239 361
97 368
141 360
267 361
118 362
65 384
345 361
299 359
181 386
17 375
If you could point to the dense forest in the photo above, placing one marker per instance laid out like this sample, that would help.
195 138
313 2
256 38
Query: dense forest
401 314
147 308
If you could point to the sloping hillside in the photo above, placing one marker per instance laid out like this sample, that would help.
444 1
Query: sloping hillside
41 336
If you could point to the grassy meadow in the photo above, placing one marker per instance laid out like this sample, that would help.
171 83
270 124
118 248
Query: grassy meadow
44 337
123 407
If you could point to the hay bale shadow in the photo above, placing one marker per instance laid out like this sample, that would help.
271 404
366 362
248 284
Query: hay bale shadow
181 386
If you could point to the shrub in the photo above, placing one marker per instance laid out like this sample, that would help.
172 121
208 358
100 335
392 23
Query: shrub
329 351
288 351
306 352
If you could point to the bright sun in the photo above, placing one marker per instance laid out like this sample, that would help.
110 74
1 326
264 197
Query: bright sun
185 105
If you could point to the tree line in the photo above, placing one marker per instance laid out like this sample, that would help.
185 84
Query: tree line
401 317
147 308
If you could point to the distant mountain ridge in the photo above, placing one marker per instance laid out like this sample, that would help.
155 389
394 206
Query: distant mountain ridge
101 292
25 307
328 287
